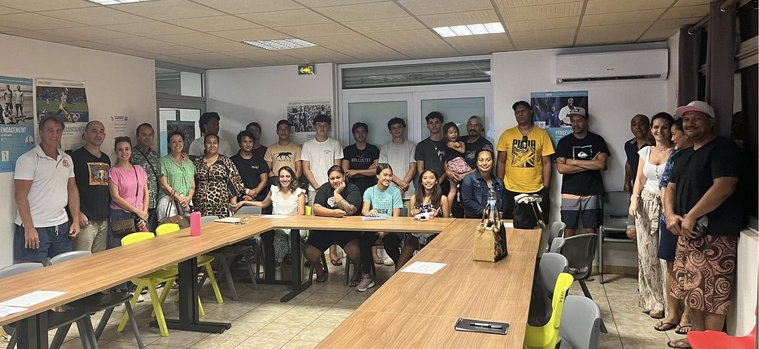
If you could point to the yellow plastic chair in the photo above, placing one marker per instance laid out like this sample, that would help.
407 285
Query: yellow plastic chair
204 261
150 281
547 336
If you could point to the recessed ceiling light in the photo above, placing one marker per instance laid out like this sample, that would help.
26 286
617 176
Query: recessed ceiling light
281 44
470 29
115 2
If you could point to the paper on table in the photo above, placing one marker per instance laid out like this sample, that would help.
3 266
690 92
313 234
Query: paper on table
5 310
229 220
273 216
508 225
423 268
372 218
32 298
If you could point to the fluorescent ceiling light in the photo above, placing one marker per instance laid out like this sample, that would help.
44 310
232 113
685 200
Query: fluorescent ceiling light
281 44
115 2
470 29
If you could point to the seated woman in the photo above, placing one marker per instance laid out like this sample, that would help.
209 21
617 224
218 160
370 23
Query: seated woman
287 199
217 181
381 200
476 186
428 198
336 198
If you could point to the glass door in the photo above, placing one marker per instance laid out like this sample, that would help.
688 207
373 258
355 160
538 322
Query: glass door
375 111
456 106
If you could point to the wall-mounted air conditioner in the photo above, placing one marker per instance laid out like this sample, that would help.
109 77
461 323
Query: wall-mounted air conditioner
609 66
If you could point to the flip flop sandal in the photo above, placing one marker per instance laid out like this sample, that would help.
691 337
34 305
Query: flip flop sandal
336 262
666 326
679 343
683 329
379 261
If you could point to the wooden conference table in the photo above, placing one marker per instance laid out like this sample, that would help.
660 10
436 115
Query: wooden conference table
88 275
420 311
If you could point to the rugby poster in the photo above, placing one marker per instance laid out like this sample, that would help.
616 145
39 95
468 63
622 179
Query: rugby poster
68 101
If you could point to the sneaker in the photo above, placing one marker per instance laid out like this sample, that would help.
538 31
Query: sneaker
389 261
140 299
365 283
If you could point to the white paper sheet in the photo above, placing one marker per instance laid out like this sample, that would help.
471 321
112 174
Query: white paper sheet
229 220
372 218
508 225
31 299
5 311
273 216
423 268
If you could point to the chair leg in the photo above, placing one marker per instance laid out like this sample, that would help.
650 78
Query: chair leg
214 284
347 272
60 336
85 327
135 328
324 263
12 341
132 302
601 254
225 269
249 267
584 287
158 309
104 320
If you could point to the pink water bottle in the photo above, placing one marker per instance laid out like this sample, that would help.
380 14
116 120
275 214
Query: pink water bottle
195 223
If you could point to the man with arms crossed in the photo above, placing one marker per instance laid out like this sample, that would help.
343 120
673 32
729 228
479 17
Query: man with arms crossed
580 157
524 161
44 186
702 184
91 169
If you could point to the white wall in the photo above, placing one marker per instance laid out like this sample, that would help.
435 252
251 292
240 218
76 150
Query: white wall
116 85
261 94
611 106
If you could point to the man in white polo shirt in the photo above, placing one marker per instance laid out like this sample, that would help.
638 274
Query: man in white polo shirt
44 186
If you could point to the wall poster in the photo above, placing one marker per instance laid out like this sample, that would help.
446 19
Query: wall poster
68 101
16 121
550 109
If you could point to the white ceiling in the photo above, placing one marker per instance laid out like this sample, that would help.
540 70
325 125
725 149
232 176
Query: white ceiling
208 33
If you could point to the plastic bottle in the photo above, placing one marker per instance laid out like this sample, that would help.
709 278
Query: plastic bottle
491 203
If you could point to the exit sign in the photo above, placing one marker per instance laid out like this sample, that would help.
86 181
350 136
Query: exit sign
308 69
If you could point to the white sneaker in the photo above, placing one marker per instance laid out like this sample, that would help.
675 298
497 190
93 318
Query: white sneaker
388 261
365 283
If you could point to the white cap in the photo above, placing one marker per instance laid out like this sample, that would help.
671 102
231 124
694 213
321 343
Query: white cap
698 106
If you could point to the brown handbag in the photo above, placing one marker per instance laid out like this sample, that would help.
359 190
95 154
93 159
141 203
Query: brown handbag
180 219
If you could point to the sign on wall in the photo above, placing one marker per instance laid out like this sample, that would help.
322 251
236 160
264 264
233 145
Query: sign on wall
301 116
550 111
16 121
68 101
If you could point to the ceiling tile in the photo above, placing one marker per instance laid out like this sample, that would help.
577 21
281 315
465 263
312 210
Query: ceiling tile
325 3
611 34
265 56
172 50
44 5
657 35
355 45
251 34
86 33
168 9
687 12
459 18
414 43
692 2
247 6
674 23
606 6
556 23
39 36
318 55
521 3
554 38
286 18
136 42
376 10
95 16
427 7
382 25
148 28
7 10
545 12
226 46
315 30
33 21
215 23
189 38
480 44
621 17
204 56
90 44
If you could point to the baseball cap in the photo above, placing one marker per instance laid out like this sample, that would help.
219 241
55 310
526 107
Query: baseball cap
698 106
522 103
578 111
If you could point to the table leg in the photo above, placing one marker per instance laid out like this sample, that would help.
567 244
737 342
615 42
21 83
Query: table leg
297 267
188 303
32 332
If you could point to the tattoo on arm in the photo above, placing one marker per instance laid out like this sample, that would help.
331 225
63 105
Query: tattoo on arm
346 206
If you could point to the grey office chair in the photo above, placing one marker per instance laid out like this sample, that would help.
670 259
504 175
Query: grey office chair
580 323
551 265
556 231
556 245
251 210
99 301
614 226
208 219
226 256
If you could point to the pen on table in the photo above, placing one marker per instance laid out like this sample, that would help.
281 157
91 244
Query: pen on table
478 324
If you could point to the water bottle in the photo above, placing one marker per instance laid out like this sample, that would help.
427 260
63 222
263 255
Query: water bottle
491 203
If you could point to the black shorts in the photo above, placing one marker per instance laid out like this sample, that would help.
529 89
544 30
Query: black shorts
323 239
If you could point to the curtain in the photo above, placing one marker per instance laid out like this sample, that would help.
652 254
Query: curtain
688 76
720 66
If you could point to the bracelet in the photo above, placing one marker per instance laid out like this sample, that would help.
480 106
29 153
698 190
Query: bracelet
634 196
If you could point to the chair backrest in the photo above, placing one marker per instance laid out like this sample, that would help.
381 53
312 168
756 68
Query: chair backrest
404 212
136 237
249 210
616 204
580 251
556 245
208 219
557 230
15 269
66 256
563 282
580 323
167 228
551 265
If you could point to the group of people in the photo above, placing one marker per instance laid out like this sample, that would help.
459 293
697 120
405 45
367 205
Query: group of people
687 175
685 217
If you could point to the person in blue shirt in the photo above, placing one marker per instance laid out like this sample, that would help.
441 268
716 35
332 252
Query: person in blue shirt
477 185
381 200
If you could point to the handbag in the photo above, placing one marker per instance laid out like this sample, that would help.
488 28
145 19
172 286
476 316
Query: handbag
527 212
490 238
126 226
178 218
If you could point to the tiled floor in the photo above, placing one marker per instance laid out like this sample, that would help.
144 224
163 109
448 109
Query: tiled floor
259 320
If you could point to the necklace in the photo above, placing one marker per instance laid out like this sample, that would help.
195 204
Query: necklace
436 145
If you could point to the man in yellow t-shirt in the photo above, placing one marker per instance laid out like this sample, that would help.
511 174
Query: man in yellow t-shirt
524 160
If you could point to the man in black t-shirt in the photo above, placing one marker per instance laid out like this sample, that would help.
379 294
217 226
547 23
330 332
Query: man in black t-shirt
580 157
474 141
91 175
360 159
430 152
703 184
252 168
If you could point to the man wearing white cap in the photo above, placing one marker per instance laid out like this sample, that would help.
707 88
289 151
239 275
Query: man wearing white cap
704 209
580 157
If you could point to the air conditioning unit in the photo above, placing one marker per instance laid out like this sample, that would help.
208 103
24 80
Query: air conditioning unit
609 66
